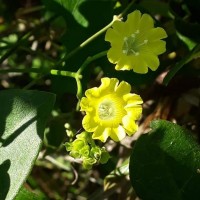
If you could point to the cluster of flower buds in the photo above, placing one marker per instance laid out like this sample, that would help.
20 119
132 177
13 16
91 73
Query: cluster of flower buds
85 149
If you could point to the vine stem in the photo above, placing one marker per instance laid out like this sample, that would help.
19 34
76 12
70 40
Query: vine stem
56 163
76 75
115 17
80 70
126 9
90 39
90 59
65 73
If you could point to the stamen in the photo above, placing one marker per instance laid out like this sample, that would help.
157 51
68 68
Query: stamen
145 42
106 110
131 44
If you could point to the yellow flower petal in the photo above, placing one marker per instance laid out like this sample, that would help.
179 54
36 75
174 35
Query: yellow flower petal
113 55
133 20
120 28
84 104
112 35
108 83
152 61
139 65
101 134
157 47
132 100
89 124
91 93
123 88
146 23
123 64
117 134
105 82
135 62
156 34
134 112
129 124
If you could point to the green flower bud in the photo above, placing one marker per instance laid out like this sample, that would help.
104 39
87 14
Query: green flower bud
78 144
85 136
88 162
95 152
85 151
75 154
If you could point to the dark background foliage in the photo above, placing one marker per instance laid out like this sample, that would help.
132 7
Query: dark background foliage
41 35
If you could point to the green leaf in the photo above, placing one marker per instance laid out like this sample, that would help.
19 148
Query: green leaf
188 29
195 53
61 7
24 194
23 115
165 164
189 42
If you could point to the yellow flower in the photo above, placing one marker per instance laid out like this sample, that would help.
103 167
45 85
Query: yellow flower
111 110
135 43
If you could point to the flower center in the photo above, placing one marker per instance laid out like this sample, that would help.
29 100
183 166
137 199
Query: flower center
110 110
131 45
106 110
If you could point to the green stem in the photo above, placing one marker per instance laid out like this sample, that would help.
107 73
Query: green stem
65 73
77 75
74 75
186 59
79 72
33 82
126 9
90 39
90 59
87 41
14 47
56 163
43 74
79 91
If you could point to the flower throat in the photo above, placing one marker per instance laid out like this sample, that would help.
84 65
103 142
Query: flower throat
131 46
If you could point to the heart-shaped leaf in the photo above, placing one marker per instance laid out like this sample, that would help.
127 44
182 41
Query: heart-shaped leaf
23 115
165 164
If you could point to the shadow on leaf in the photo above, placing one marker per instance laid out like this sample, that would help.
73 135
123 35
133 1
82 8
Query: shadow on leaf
4 179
